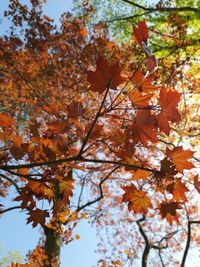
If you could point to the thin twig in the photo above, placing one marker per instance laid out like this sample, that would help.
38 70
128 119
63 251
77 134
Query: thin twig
9 209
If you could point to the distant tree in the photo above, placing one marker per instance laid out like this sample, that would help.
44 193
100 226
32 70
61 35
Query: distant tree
12 256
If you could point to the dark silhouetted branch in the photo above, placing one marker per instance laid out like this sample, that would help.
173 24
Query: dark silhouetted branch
147 244
9 209
164 9
89 203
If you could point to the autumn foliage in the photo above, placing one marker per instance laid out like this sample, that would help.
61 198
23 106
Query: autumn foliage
74 104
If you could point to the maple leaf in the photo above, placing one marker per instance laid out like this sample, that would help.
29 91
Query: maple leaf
178 189
141 82
27 199
58 127
66 186
168 210
167 168
168 102
75 109
138 201
151 63
138 99
165 175
104 76
180 158
40 190
140 174
37 216
140 32
143 128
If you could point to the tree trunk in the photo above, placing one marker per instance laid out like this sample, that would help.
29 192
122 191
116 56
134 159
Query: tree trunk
52 247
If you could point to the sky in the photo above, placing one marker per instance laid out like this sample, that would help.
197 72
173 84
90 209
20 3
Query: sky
15 234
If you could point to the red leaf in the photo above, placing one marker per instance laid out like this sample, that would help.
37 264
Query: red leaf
151 63
141 35
104 76
168 210
37 217
140 32
143 128
168 102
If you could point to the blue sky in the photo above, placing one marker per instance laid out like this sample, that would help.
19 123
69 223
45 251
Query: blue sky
14 233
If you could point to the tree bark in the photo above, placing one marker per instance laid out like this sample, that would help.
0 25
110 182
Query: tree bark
52 247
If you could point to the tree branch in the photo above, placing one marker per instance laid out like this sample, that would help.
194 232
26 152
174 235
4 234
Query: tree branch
187 246
89 203
163 9
122 164
9 209
147 245
11 181
127 18
76 158
94 122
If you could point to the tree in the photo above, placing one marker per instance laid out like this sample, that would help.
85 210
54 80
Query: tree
78 111
11 256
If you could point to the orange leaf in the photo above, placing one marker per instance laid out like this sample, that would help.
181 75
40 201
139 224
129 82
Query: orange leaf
140 174
66 186
138 99
138 201
141 82
180 158
22 172
104 76
6 120
178 189
168 102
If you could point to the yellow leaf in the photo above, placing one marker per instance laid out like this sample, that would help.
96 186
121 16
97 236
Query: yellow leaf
66 186
77 237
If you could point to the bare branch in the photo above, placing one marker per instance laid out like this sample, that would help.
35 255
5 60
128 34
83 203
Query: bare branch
9 209
163 9
76 158
89 203
147 244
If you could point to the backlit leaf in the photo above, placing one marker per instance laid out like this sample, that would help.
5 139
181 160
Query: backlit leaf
180 158
168 102
105 76
144 127
138 201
